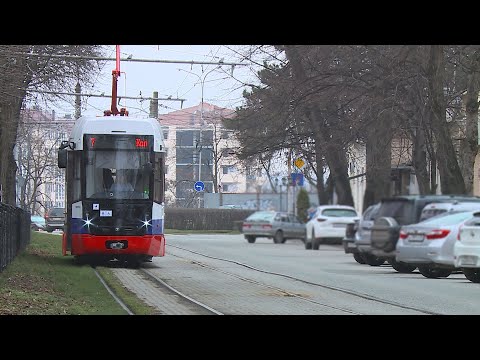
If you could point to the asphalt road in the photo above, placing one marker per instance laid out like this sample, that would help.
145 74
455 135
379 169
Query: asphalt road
237 278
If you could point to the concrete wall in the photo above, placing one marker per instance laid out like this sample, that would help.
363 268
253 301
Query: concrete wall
254 201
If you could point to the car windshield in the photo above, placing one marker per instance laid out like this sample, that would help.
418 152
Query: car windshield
56 212
261 216
339 213
448 218
429 213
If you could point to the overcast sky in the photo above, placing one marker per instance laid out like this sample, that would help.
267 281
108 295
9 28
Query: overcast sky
142 79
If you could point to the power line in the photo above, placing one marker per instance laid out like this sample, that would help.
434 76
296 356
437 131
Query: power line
104 96
99 58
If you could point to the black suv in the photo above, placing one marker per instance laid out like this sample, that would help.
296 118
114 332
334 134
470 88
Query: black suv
402 210
55 219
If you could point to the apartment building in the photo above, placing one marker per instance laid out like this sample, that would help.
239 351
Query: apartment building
199 148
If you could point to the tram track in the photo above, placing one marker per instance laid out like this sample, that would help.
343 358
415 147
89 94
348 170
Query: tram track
287 293
111 292
163 284
182 303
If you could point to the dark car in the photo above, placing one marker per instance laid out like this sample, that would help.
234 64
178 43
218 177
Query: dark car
55 219
275 225
402 210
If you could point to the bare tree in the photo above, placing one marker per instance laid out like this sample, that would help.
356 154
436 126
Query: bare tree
20 70
451 178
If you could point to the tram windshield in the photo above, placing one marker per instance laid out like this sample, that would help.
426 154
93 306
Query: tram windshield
117 174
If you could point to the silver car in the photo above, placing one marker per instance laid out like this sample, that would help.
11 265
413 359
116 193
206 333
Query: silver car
429 244
275 225
362 239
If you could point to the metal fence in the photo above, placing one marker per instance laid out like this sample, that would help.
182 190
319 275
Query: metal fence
204 219
14 233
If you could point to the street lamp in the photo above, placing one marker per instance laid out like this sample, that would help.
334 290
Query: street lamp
285 183
202 83
276 185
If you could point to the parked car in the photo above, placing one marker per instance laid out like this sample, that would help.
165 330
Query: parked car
434 209
466 251
349 240
399 211
329 223
55 219
275 225
363 253
230 206
429 244
351 234
37 223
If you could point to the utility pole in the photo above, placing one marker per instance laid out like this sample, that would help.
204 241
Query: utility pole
154 105
78 101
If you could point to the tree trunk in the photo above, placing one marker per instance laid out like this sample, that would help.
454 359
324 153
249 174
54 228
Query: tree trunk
9 117
469 145
378 161
419 159
321 190
451 179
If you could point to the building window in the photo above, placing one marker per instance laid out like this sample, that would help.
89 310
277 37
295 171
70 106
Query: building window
228 187
225 134
184 155
228 169
227 152
185 137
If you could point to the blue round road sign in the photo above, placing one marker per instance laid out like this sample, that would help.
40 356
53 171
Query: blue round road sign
199 186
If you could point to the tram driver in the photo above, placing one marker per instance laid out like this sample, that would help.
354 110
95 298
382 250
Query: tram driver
122 181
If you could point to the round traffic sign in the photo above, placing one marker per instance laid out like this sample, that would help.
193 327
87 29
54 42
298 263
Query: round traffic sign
199 186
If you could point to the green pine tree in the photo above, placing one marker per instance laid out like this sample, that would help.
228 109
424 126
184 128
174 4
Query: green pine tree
303 204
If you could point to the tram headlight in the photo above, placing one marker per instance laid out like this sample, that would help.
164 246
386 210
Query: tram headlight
88 222
147 221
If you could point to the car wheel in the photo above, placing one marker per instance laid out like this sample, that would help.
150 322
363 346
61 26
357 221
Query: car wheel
472 274
401 267
373 260
308 244
250 238
49 229
315 244
433 273
278 237
358 258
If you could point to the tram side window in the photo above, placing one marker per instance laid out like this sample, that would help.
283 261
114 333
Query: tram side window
159 178
77 184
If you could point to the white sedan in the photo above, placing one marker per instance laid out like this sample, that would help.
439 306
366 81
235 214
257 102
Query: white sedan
429 244
466 251
329 222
